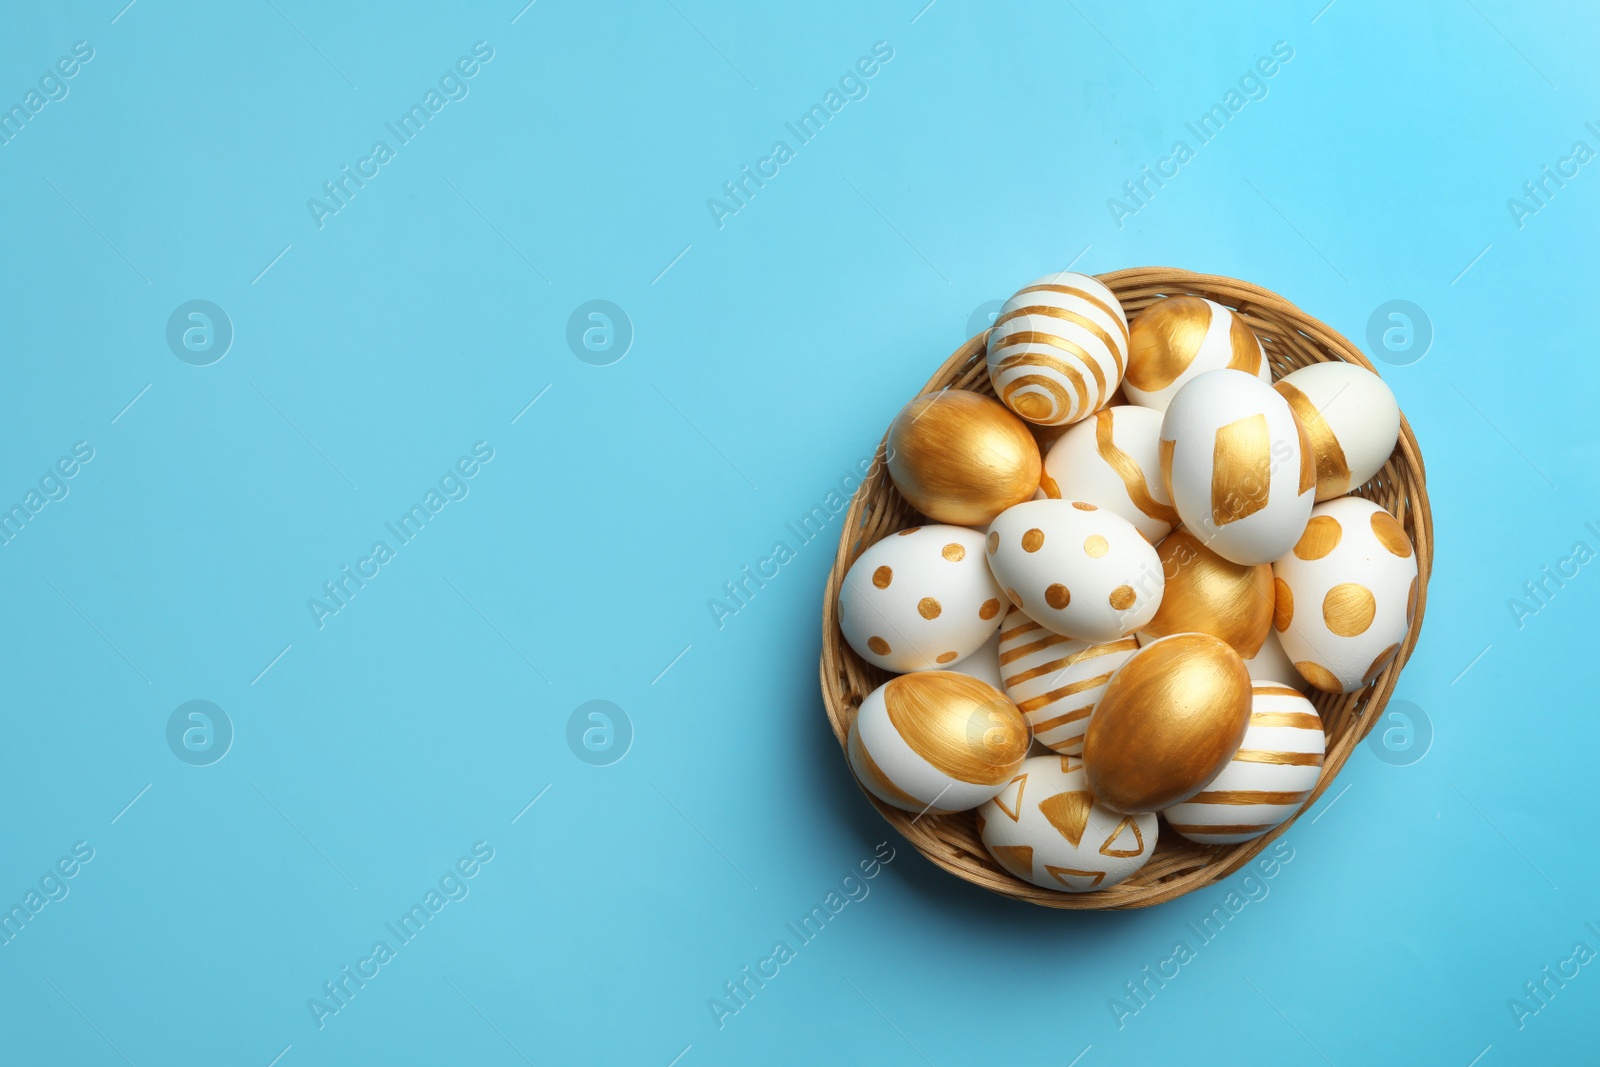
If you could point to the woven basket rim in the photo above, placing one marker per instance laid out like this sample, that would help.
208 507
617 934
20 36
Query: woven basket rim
1290 337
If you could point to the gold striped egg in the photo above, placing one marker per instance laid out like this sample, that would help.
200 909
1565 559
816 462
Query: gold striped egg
1211 595
961 458
1271 775
1058 348
1076 569
920 599
1351 418
1237 466
1055 680
1175 340
1345 595
936 742
1113 460
1046 827
1170 719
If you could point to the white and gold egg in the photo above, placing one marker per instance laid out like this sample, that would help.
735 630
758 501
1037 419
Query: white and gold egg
936 742
1046 828
1113 460
1344 596
1077 569
1055 680
1351 418
1237 466
1175 340
1058 348
920 599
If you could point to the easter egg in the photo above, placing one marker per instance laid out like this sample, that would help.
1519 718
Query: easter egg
1170 719
1058 348
1272 664
1351 418
1210 595
961 458
1076 569
1345 595
1237 466
983 664
1046 827
1113 460
920 599
1175 340
1271 775
936 742
1055 680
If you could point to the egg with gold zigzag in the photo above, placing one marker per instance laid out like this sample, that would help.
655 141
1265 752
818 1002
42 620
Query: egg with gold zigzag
1113 461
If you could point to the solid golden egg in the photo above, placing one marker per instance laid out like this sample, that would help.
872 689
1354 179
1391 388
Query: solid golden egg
962 458
1168 722
1210 595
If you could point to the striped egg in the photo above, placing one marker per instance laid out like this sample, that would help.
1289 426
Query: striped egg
1345 596
920 599
1058 348
936 742
1113 460
1267 780
1175 340
1351 418
1055 680
1046 828
1237 466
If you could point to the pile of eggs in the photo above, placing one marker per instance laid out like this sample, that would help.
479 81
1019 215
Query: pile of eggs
1126 624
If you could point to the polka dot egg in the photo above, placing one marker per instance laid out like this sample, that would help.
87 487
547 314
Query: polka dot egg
1045 827
1344 596
1267 780
920 599
1055 680
1058 349
1076 569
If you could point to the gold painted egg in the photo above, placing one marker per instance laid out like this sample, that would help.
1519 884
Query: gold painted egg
1210 595
1176 340
1271 775
920 599
1170 719
1054 679
1351 418
936 742
1345 594
1113 461
1046 828
1058 348
1237 466
961 458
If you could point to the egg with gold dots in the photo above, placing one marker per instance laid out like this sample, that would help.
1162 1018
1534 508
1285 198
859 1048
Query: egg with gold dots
1058 348
1345 596
1075 568
1046 827
920 599
936 742
1175 340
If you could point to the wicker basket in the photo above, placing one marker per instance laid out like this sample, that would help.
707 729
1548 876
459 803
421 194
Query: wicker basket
1291 339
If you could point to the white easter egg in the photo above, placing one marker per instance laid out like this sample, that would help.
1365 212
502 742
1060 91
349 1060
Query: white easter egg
1271 664
1237 466
1055 680
1114 460
936 742
920 599
1344 597
1176 340
1271 775
1045 827
1077 569
984 664
1351 418
1057 348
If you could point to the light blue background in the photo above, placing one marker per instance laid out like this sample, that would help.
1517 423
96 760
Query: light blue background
767 359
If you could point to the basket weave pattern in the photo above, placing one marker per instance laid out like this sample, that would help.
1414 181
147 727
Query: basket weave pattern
1291 339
